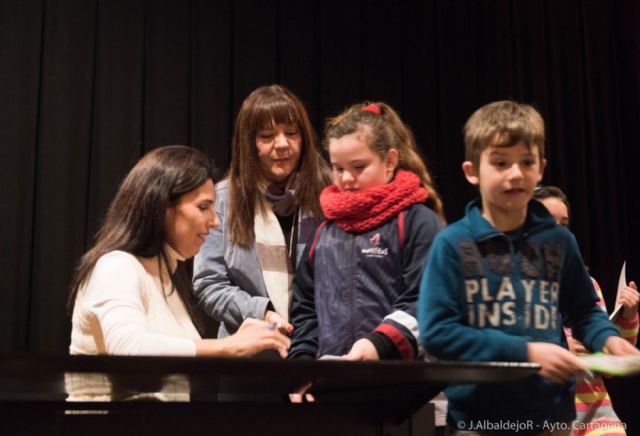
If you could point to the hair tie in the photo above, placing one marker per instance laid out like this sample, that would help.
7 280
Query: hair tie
374 108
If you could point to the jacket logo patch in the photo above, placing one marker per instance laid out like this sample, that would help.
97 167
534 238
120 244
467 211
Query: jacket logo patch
375 240
375 251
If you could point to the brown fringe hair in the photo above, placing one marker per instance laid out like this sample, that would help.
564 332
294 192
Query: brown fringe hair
263 109
502 124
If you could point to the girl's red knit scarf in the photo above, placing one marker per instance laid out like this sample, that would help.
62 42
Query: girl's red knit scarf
359 211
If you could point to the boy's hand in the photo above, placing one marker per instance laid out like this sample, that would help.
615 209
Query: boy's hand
629 298
556 364
576 347
362 349
617 346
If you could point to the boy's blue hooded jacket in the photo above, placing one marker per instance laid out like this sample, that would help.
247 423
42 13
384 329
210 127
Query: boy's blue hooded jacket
485 294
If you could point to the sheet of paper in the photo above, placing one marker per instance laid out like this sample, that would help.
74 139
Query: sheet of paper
608 364
331 357
622 282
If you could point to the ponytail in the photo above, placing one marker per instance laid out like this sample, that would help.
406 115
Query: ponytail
385 130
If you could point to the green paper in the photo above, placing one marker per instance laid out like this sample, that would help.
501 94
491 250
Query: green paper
609 364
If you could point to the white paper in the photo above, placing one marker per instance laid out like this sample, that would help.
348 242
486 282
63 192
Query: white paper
622 283
332 357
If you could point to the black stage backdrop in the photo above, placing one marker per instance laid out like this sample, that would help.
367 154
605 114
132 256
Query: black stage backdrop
88 86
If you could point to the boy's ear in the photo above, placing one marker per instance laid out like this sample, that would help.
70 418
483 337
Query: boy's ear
470 172
543 165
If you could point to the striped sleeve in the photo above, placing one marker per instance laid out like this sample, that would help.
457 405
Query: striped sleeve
628 328
402 330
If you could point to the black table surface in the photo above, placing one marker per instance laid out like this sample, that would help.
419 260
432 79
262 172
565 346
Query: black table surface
32 375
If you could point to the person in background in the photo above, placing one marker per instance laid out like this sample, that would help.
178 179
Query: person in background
131 293
267 207
594 410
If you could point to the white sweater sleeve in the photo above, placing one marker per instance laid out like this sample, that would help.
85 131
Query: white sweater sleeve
113 296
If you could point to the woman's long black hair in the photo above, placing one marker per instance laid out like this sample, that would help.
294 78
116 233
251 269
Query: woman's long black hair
135 221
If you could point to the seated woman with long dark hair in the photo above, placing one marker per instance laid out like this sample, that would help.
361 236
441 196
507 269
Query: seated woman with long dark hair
131 293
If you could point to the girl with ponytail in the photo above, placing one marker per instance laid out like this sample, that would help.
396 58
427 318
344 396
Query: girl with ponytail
356 289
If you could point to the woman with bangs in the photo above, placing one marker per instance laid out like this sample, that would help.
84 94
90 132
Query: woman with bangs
268 207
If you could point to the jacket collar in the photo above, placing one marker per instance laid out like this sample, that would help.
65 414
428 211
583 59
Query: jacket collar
538 218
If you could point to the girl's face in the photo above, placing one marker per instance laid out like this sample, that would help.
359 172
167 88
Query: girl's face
189 220
356 166
557 209
279 150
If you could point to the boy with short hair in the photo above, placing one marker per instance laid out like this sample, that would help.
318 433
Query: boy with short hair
499 283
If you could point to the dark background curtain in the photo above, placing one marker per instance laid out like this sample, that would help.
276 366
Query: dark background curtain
88 86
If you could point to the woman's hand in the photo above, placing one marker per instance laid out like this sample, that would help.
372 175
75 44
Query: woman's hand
276 320
253 336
